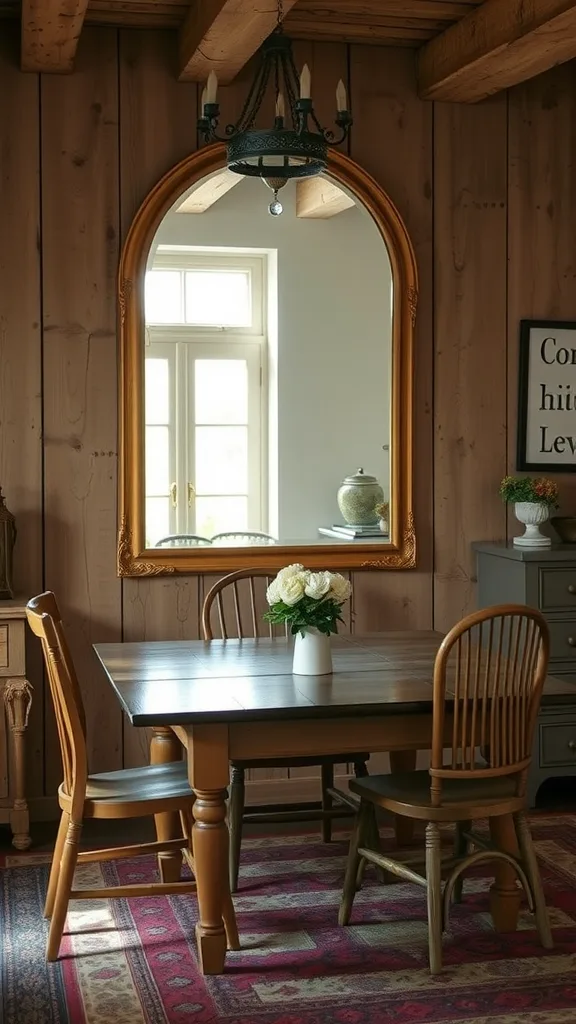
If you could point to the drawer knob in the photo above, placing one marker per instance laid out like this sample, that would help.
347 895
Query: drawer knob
571 641
571 588
572 745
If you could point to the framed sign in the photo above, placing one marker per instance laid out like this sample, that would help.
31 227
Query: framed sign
547 396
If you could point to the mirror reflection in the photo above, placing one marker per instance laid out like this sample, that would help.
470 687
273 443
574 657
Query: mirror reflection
267 368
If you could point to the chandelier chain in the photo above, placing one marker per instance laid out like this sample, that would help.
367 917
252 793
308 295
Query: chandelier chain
290 76
252 103
280 15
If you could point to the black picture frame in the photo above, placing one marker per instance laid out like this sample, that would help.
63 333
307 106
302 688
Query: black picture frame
526 367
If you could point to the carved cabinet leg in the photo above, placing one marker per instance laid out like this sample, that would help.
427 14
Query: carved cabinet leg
17 702
164 748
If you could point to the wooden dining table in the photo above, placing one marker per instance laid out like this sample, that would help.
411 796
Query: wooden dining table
238 699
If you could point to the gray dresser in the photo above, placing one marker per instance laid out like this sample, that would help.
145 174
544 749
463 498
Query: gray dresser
544 578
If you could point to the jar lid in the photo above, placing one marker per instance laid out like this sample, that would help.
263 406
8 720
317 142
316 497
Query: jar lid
360 477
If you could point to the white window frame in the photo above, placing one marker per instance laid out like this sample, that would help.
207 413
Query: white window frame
182 344
170 355
173 259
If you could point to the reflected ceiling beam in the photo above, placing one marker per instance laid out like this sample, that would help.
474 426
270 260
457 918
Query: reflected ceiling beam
221 35
203 197
320 199
499 44
50 33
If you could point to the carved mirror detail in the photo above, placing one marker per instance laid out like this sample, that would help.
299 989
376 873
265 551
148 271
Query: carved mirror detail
266 375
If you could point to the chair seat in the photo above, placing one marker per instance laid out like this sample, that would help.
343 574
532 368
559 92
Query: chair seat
127 793
298 762
408 793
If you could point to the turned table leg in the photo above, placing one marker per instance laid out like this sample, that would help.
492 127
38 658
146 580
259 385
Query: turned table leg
505 894
210 841
17 702
403 761
208 773
164 748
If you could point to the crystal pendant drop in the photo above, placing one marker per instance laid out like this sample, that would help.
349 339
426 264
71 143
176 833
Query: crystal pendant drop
275 207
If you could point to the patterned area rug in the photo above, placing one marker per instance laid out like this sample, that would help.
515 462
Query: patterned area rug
134 962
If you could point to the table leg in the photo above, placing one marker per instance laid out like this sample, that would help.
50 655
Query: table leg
403 761
505 895
166 747
210 842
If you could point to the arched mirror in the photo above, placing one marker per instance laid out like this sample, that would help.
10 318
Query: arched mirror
266 374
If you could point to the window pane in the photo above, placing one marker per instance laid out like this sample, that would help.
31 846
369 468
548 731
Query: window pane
157 460
218 297
215 515
221 390
164 297
221 460
157 391
157 520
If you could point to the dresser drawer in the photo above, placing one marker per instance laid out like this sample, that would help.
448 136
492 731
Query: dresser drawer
12 654
557 589
562 641
558 744
4 657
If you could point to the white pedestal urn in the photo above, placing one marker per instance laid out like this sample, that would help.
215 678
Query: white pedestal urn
312 653
532 514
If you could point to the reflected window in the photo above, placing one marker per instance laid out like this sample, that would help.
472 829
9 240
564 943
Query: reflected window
204 364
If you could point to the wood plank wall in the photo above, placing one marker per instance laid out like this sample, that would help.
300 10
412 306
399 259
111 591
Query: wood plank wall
489 197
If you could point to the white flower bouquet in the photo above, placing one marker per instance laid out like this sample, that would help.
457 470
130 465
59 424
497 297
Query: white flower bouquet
307 600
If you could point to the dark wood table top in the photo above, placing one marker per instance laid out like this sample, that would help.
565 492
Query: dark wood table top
183 682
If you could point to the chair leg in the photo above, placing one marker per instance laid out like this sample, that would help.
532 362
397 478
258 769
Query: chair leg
55 866
361 824
372 841
65 880
460 850
235 817
327 783
434 896
530 865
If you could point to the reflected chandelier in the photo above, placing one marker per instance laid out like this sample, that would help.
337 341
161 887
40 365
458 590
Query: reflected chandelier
296 146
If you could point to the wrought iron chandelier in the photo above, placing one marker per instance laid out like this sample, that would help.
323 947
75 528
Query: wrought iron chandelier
296 146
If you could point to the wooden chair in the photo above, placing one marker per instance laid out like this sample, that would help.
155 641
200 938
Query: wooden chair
488 679
183 540
134 793
244 537
240 615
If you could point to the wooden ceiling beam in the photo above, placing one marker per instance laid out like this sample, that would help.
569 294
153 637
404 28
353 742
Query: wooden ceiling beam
222 35
50 33
209 192
498 45
319 198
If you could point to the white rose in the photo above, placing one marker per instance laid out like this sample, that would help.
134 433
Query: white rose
317 585
340 588
273 593
291 590
289 571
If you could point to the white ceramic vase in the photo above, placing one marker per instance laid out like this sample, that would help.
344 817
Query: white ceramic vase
531 514
312 654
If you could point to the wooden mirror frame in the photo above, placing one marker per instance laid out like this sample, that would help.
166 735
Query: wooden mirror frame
134 559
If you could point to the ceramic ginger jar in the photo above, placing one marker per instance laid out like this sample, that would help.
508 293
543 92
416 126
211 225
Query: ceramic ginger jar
358 496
